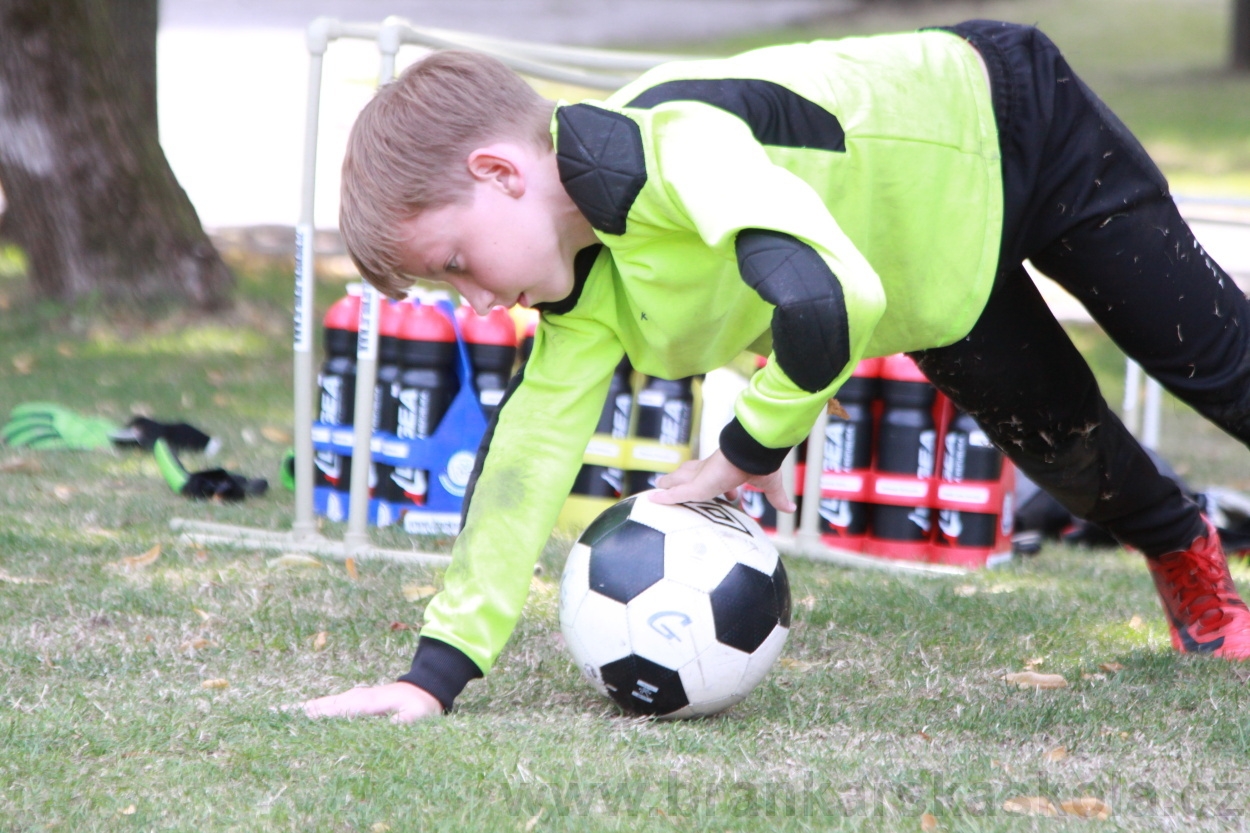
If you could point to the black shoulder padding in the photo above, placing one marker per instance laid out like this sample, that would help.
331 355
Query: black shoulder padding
582 263
601 162
776 115
810 331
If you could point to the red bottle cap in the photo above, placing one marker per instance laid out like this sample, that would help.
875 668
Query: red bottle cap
344 314
390 317
868 368
901 368
495 327
422 322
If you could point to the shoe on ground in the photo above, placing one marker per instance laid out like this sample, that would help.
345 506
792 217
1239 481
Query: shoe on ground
1205 615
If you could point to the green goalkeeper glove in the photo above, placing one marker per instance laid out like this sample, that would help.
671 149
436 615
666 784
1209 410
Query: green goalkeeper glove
45 426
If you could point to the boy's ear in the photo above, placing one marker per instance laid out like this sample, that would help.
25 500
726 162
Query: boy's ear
499 164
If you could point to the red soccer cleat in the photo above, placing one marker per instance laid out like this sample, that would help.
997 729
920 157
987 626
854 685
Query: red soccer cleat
1205 614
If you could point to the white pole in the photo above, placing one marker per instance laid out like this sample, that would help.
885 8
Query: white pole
1132 397
305 524
1153 414
809 520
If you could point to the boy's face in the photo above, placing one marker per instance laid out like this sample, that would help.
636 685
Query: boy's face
498 249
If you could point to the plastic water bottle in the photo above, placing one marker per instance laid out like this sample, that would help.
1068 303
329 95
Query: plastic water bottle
906 445
665 414
968 455
385 405
424 391
491 340
605 481
848 449
337 385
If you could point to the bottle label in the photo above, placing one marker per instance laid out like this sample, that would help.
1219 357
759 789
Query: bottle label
956 459
620 415
331 398
836 512
925 459
675 424
413 484
414 413
839 446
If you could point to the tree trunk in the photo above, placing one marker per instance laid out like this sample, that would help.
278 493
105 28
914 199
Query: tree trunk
91 197
1241 35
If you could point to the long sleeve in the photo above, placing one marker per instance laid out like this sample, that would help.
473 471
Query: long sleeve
525 469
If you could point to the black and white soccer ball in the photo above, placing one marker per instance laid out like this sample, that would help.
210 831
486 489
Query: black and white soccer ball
674 611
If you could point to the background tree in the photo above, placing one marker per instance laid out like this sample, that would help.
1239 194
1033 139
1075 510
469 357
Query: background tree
1241 35
91 198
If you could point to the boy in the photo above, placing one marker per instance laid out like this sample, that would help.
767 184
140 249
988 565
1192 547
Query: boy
834 201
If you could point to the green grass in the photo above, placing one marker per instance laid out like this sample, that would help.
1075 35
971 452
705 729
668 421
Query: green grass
889 702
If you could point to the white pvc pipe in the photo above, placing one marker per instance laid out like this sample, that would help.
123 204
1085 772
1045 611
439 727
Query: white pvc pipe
1132 397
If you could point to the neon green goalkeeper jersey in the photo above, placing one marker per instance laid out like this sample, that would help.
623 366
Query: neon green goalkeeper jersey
824 202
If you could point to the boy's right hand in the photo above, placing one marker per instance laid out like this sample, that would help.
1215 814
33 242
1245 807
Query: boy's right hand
404 702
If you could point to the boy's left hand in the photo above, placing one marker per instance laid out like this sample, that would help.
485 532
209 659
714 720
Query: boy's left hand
713 476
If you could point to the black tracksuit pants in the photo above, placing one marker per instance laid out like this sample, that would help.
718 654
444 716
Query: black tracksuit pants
1085 204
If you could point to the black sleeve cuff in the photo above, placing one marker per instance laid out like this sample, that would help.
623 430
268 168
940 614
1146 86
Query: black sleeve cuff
747 453
440 669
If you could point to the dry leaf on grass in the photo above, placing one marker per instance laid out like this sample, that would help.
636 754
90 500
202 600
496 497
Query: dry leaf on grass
1087 807
24 363
417 592
129 811
380 827
65 349
1111 667
319 641
132 562
1056 754
21 465
350 566
1032 679
63 493
1136 622
215 684
928 822
835 409
966 590
1031 805
278 436
11 579
792 664
196 645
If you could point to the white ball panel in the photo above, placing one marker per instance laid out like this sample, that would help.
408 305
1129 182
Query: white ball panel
697 558
714 674
664 518
599 632
714 706
670 624
575 581
763 659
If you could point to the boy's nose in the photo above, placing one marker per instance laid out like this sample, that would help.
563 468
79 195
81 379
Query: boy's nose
480 300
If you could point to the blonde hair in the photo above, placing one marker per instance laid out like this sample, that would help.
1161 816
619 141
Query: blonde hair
409 147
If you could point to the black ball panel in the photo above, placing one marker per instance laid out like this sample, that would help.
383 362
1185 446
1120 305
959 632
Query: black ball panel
641 686
781 585
627 561
608 520
744 608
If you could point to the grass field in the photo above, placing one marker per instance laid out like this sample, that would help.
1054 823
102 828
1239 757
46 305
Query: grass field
149 696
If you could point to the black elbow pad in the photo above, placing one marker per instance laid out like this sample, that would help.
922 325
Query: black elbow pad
810 332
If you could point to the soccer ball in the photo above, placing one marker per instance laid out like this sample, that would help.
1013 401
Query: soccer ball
674 611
